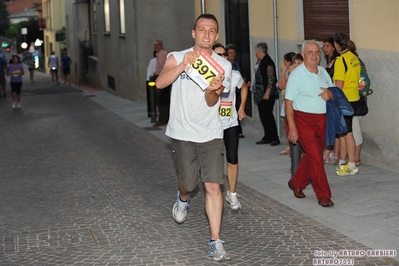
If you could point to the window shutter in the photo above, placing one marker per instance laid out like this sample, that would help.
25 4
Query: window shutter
324 18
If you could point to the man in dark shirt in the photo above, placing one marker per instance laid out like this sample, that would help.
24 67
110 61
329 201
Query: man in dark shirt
66 66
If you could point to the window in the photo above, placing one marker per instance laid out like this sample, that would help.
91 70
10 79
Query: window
94 15
122 16
324 18
107 20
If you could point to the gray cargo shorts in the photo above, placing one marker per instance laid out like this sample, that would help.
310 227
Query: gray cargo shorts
197 162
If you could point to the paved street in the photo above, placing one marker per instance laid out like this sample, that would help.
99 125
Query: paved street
86 180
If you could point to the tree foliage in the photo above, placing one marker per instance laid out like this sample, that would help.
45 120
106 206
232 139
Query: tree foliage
4 20
13 31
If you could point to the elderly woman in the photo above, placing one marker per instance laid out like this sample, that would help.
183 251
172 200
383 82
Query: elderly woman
265 93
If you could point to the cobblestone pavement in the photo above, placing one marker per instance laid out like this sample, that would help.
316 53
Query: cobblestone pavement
81 186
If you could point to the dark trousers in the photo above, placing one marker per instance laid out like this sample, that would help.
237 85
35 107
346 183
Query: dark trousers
163 103
265 108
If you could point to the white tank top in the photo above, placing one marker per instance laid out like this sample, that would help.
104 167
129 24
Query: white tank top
53 62
191 119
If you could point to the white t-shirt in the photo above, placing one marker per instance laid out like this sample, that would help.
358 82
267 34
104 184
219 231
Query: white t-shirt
152 66
228 113
191 119
53 62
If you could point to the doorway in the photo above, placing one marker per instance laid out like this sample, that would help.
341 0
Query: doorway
237 33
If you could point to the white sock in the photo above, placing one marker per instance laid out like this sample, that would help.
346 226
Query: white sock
233 193
351 164
341 162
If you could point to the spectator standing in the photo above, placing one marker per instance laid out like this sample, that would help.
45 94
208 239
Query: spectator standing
163 99
66 66
53 65
346 77
196 131
231 56
3 71
331 153
16 71
356 128
266 92
281 84
305 103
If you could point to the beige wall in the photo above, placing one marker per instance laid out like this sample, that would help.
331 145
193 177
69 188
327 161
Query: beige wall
375 24
261 18
56 12
287 20
216 8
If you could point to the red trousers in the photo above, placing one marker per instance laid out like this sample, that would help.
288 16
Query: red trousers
312 137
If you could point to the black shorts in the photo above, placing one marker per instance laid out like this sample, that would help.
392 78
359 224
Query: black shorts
230 137
16 87
348 119
66 71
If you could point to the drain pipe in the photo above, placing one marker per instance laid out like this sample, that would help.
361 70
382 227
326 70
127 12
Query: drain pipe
276 61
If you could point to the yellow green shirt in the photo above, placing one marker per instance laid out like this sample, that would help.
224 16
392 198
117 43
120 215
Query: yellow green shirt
347 68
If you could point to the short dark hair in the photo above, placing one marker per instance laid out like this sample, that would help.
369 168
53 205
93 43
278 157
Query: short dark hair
216 45
297 56
230 47
342 39
289 57
207 16
160 42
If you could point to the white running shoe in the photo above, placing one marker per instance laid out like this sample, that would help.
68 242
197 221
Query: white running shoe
216 250
179 210
14 105
234 202
18 105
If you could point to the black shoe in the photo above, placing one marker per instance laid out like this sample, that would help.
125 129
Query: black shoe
262 141
275 143
241 136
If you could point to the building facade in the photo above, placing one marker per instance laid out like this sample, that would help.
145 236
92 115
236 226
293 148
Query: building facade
53 22
121 34
118 38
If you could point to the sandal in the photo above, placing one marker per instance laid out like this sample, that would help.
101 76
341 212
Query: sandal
284 152
358 163
332 160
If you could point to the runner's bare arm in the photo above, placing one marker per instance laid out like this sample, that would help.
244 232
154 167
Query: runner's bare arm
172 70
214 90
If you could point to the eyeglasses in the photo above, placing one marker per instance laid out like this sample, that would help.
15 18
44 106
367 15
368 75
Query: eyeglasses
316 52
224 54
